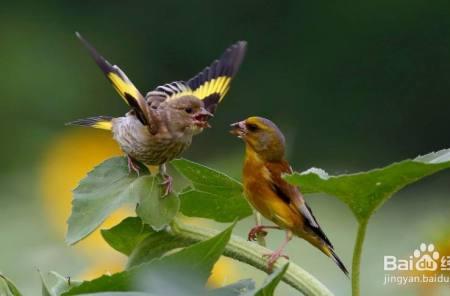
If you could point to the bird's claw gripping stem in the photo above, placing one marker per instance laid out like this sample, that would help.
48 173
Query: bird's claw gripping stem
255 232
273 257
132 166
167 185
259 230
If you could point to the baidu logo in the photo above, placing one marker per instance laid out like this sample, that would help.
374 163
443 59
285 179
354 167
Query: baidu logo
425 265
427 258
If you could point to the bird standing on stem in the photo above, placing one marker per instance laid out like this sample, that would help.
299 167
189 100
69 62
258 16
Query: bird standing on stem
267 191
160 126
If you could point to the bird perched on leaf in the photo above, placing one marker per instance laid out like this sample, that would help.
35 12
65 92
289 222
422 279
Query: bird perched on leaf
267 191
160 126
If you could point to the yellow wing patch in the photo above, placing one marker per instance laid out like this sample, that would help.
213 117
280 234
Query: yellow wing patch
212 84
104 125
123 87
219 85
100 122
216 86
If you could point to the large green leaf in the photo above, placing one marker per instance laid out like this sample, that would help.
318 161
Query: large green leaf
104 190
185 270
155 210
155 245
269 285
54 284
125 236
139 241
213 195
191 267
7 288
365 192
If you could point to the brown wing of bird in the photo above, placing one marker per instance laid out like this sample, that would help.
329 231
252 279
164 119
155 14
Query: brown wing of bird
293 197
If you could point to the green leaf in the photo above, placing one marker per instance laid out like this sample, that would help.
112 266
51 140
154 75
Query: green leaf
118 282
185 270
236 289
269 285
365 192
155 245
213 195
199 258
54 284
125 236
155 210
7 288
104 190
139 241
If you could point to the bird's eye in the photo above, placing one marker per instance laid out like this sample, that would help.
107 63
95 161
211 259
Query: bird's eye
252 127
188 110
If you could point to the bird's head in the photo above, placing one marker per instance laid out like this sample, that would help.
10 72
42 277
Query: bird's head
188 114
261 136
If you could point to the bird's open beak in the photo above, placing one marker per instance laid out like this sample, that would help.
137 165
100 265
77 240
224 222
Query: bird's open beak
201 118
238 129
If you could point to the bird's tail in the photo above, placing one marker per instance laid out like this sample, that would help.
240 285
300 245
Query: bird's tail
101 122
330 252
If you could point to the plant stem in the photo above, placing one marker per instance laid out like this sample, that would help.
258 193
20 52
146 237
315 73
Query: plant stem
252 254
356 262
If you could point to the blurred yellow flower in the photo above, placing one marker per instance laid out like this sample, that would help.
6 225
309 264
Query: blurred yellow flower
68 159
225 272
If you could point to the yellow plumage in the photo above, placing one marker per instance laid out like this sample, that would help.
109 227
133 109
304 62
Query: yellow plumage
217 85
123 87
104 125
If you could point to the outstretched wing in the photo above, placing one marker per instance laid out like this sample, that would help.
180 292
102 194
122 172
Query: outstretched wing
210 85
292 196
121 83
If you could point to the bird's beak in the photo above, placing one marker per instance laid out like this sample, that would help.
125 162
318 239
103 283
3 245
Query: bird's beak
201 118
238 129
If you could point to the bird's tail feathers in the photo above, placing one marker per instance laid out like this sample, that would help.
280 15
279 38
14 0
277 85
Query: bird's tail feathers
336 260
100 122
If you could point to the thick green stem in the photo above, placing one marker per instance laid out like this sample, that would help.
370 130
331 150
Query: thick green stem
252 254
356 263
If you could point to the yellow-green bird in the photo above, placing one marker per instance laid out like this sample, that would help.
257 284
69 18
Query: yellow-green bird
267 191
161 125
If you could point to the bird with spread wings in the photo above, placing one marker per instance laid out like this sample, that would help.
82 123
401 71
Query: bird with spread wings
161 125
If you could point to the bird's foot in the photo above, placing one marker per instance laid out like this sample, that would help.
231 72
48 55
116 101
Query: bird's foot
259 230
132 166
255 232
167 185
273 257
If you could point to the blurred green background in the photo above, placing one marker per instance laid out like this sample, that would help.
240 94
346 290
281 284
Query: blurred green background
353 85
